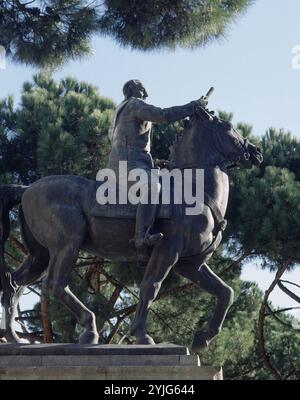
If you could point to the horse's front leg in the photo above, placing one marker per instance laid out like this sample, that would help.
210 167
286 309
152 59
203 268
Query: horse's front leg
163 258
207 280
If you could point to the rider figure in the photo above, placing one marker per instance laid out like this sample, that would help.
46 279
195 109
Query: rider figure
131 141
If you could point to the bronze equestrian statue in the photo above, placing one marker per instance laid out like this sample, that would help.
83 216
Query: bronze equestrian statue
57 222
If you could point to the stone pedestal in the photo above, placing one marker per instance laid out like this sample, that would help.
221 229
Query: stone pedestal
102 362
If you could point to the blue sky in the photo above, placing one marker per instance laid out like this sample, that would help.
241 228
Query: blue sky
251 71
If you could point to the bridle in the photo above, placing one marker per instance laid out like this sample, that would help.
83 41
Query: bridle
244 154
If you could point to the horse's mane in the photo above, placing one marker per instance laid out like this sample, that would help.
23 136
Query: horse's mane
179 138
209 123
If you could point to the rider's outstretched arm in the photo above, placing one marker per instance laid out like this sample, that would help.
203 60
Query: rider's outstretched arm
148 112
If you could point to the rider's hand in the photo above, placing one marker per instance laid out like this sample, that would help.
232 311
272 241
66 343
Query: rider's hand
203 101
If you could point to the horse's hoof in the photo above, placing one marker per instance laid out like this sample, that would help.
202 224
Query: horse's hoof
89 337
147 339
200 342
12 337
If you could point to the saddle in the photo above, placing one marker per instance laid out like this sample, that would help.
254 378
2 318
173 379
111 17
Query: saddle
164 211
126 211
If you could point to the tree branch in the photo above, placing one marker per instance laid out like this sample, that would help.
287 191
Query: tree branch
235 263
167 293
288 292
285 310
34 291
286 324
261 322
291 283
12 257
18 244
31 336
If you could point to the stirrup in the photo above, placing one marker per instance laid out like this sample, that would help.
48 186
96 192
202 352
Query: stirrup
147 240
152 240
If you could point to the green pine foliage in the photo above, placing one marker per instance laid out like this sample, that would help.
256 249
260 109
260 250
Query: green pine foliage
150 25
59 128
281 150
269 206
47 33
265 200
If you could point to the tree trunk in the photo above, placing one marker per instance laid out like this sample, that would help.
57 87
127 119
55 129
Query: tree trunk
46 323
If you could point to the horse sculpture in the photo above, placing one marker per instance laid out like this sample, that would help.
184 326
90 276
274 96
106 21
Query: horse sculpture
56 223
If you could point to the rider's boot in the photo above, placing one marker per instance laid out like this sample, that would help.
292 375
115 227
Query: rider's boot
145 218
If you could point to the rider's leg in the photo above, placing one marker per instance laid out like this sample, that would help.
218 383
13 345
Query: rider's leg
145 216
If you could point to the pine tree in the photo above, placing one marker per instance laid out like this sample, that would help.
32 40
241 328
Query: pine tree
49 32
7 124
46 33
59 128
150 25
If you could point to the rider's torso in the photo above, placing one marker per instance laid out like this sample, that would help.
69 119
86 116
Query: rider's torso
131 139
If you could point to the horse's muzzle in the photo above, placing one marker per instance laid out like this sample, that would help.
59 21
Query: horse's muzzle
256 156
251 155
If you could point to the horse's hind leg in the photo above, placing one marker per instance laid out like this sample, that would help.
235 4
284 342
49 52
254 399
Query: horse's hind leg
61 263
207 280
29 272
64 243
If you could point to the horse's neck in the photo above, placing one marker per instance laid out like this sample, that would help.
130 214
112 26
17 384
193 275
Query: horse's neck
194 147
216 185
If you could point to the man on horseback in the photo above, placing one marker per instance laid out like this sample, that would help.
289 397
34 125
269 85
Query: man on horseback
64 202
131 141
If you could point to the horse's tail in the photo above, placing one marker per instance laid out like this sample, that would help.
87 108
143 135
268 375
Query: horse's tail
10 197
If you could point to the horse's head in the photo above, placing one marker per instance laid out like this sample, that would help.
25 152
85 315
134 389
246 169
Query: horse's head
233 147
210 141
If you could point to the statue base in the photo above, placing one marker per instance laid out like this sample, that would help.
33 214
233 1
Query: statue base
101 362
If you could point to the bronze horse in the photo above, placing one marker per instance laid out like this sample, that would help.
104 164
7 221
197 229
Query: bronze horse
56 223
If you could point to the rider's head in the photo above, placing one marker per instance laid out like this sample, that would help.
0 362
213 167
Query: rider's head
134 88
